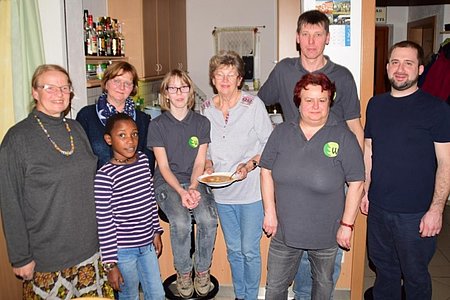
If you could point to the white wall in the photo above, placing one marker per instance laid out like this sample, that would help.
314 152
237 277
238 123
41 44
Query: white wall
397 16
53 31
203 15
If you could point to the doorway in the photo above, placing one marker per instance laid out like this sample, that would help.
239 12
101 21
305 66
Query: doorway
422 32
381 82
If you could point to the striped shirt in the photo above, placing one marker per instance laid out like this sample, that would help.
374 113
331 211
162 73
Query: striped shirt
126 211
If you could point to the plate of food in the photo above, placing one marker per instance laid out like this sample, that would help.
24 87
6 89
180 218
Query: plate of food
218 179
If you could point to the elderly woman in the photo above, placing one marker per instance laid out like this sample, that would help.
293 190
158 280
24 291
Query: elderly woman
305 166
47 197
119 84
240 127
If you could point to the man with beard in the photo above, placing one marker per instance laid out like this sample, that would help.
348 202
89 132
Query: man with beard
407 158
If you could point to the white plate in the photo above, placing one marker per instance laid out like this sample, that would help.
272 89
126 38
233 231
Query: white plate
204 179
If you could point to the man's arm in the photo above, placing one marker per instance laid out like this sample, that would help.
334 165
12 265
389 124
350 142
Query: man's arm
431 222
368 167
356 127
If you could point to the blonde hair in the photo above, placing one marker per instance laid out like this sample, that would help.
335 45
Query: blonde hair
184 77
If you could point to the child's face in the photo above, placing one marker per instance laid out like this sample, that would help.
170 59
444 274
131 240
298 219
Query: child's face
178 93
123 139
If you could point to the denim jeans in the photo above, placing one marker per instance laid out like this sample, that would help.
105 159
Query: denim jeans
303 279
242 229
282 265
397 251
140 265
180 218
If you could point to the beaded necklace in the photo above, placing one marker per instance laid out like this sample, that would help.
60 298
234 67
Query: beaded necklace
72 145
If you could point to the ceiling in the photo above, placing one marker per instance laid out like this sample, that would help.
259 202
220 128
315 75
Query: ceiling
410 2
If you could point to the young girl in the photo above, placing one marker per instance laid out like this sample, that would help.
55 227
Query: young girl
128 225
179 138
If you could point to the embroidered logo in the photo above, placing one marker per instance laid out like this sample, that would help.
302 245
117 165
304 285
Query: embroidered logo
193 142
331 149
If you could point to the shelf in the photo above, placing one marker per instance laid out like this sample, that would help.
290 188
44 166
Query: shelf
102 59
445 32
93 83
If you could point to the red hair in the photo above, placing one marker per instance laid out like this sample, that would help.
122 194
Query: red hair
314 79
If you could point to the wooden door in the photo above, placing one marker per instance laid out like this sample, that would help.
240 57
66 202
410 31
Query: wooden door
422 32
10 286
381 82
163 33
150 38
178 43
130 13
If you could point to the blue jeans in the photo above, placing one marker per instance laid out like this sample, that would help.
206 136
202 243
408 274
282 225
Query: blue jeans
303 279
398 252
242 229
180 219
282 265
140 265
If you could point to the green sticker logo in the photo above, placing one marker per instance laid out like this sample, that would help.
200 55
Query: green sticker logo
193 142
331 149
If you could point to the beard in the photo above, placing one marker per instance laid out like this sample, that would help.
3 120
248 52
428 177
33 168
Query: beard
405 85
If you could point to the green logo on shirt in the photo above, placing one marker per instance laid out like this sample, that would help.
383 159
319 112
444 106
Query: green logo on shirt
193 142
331 149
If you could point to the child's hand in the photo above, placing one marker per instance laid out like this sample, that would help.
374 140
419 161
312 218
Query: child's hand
115 278
157 243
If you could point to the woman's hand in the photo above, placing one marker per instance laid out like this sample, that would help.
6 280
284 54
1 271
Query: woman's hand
242 171
208 170
157 243
187 200
115 278
26 272
344 237
270 224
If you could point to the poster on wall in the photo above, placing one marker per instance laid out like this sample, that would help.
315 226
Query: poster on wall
338 11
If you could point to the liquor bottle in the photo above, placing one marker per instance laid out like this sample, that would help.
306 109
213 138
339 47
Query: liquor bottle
85 31
101 45
108 36
121 39
92 38
114 45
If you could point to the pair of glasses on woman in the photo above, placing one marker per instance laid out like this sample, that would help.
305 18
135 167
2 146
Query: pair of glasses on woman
182 89
125 84
54 89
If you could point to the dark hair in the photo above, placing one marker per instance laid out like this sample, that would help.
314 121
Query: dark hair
184 77
226 58
114 119
409 44
117 69
313 17
314 79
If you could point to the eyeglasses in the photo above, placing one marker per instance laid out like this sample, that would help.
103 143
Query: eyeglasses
182 89
53 89
230 77
119 83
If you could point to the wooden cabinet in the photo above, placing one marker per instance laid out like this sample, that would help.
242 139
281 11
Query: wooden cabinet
155 34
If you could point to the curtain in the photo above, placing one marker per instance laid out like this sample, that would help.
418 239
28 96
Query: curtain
21 53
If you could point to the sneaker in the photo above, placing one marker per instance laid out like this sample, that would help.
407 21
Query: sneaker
185 287
202 283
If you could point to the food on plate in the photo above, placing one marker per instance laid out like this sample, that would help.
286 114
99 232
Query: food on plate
216 178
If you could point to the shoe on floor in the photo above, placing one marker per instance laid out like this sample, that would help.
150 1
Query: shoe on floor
185 286
202 283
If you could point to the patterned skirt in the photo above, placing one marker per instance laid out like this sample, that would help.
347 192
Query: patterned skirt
87 279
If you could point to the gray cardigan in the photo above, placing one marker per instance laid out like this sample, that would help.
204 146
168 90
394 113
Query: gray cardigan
46 198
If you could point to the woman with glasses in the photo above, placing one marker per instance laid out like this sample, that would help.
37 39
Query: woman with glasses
240 127
119 84
179 138
304 169
47 197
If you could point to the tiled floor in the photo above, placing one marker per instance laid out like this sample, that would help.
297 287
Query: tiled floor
439 269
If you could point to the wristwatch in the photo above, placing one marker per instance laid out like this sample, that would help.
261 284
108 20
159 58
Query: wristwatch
109 266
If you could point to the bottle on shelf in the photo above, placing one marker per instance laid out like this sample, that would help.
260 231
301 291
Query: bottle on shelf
101 45
92 38
121 39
